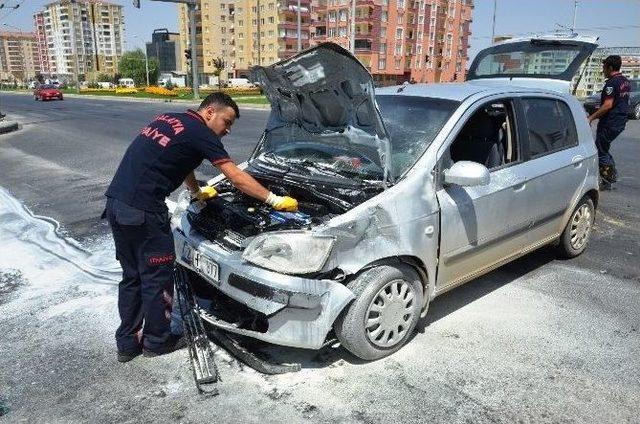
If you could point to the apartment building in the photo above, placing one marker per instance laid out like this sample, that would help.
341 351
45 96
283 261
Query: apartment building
592 79
401 40
81 37
19 59
244 33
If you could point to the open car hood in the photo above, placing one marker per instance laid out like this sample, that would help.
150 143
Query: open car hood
547 62
325 90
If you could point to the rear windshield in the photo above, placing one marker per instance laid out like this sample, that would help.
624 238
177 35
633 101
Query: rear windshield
412 123
530 59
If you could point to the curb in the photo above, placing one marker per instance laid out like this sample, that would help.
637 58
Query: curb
8 126
146 100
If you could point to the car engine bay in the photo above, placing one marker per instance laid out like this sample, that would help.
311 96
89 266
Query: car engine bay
232 216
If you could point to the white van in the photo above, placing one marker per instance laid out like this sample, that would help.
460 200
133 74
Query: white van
240 83
126 82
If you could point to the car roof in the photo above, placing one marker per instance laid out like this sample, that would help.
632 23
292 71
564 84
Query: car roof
457 91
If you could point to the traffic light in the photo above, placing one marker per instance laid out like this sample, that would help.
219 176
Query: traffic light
187 54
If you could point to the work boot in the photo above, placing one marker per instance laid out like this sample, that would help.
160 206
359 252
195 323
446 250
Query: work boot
605 185
174 343
608 174
127 355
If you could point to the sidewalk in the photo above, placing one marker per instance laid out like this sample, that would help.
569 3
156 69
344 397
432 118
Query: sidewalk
146 100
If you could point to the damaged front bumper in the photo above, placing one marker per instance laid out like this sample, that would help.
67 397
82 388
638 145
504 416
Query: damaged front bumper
299 312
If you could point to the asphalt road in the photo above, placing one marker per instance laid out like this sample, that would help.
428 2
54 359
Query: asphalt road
538 340
62 160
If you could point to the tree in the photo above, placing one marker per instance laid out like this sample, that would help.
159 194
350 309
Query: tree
218 64
132 65
104 77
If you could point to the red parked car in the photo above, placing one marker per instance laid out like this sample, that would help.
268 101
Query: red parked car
47 92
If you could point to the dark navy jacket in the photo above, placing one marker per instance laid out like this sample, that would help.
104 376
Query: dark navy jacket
617 87
160 158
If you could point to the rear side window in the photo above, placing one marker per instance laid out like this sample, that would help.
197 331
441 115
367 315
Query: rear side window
550 126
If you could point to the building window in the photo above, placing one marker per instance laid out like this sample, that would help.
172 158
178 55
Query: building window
343 15
398 33
398 48
400 4
400 19
382 63
272 6
271 19
383 47
384 16
397 63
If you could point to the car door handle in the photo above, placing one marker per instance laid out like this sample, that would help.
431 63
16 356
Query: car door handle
519 186
576 161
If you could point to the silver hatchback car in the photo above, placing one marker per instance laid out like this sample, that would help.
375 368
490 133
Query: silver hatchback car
404 194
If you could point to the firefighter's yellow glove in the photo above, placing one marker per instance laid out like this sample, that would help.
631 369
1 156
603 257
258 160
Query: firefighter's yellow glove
206 193
282 203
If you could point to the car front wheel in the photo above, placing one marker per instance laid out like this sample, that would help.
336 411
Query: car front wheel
576 235
384 314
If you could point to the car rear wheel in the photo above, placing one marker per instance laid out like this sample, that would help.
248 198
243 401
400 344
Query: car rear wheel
384 314
576 235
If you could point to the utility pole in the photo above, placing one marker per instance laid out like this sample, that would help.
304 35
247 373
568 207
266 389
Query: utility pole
575 14
493 27
352 36
299 23
194 58
258 33
191 7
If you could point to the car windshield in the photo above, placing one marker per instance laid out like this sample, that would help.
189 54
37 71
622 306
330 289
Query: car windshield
411 122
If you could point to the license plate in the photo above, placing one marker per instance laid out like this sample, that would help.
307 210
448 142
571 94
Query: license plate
200 262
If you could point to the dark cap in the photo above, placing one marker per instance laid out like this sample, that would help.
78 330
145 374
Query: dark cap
614 61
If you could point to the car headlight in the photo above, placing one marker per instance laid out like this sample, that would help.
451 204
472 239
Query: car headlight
289 252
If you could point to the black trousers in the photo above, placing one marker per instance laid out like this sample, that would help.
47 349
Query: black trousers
604 138
145 250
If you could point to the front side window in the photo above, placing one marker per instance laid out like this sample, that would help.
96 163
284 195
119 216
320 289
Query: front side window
488 137
550 126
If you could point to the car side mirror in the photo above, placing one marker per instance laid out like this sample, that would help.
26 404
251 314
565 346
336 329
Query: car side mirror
467 174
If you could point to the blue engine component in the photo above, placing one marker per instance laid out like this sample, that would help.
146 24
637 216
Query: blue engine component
286 217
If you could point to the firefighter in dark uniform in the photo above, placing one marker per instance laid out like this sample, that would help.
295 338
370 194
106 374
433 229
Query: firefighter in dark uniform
159 159
612 115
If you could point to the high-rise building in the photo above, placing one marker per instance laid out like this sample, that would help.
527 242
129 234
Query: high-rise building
401 40
244 33
19 59
592 79
165 47
91 31
397 40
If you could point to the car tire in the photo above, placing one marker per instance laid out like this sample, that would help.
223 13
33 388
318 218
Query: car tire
396 290
576 235
636 112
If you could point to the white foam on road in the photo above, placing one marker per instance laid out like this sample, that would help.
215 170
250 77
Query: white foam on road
32 242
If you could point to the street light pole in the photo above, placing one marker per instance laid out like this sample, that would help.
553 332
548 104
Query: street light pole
299 24
352 37
146 58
